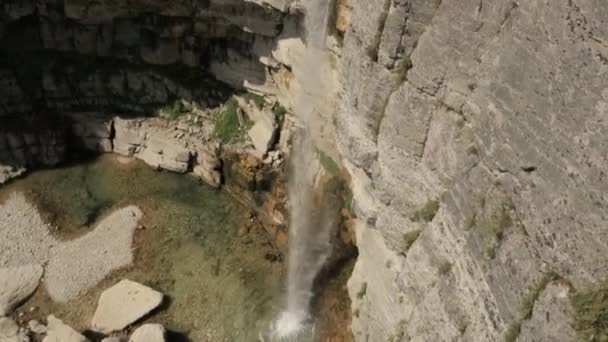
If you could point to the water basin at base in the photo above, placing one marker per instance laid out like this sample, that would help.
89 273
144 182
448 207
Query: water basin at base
219 284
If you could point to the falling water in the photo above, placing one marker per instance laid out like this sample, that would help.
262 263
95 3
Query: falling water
311 220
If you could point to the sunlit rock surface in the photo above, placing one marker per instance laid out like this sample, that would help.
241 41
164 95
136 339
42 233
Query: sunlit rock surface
123 304
496 111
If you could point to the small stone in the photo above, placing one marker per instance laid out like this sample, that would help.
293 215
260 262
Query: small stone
57 331
112 339
16 284
36 327
123 304
9 330
149 333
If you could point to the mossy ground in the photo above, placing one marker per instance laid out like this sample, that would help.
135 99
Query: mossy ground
228 128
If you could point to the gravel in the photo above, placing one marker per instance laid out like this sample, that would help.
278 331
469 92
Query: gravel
71 266
24 237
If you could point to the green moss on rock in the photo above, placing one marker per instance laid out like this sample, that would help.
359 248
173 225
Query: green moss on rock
591 320
228 128
426 213
408 240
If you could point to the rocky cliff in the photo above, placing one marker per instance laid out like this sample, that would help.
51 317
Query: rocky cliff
474 133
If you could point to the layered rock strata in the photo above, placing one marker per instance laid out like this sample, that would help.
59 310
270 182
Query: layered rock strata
475 133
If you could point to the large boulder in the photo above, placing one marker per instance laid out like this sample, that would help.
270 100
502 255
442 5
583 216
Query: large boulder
149 333
61 332
16 284
123 304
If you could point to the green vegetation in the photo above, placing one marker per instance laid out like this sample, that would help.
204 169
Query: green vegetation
444 267
403 67
512 332
591 320
495 227
255 98
500 222
426 213
347 197
408 240
527 306
227 127
530 299
279 111
173 111
362 291
328 164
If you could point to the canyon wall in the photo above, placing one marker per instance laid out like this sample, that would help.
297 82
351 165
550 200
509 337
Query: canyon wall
476 134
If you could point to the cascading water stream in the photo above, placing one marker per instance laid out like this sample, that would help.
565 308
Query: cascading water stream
311 222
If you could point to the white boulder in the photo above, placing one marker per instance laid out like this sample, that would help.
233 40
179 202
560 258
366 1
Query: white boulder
37 327
57 331
149 333
123 304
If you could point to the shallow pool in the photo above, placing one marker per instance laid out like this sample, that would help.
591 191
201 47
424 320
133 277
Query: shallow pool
196 245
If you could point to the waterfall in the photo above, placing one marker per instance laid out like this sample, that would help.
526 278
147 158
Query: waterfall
311 220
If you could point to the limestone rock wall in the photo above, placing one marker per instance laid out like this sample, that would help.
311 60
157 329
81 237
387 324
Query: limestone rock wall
476 134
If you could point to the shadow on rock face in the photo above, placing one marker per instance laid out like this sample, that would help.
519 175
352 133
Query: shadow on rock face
174 336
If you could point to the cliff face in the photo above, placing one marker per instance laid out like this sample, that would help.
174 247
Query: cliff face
476 134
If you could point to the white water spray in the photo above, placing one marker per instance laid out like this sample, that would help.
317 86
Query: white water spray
311 220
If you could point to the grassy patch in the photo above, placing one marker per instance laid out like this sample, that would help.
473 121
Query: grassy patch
495 227
591 320
255 98
499 223
530 299
279 111
227 127
173 111
527 306
408 240
426 213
